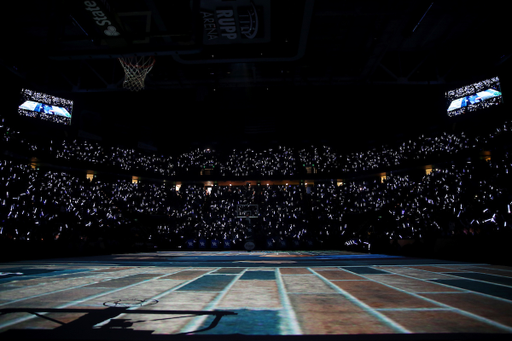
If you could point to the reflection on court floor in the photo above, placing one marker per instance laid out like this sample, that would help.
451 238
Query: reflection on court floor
261 293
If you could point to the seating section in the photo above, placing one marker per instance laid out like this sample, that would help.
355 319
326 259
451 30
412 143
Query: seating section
465 196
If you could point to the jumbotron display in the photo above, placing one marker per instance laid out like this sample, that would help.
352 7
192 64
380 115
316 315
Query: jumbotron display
45 107
474 97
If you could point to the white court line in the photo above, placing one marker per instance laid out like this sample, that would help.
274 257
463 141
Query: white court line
475 280
481 280
31 316
499 269
455 276
199 320
444 266
364 306
60 290
157 297
61 279
460 311
293 326
413 309
310 293
449 286
444 292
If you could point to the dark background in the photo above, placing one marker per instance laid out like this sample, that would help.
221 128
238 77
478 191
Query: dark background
364 78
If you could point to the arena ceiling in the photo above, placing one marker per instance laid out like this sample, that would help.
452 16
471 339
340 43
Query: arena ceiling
61 44
357 68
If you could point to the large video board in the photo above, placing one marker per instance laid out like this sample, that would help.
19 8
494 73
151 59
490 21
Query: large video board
473 97
45 107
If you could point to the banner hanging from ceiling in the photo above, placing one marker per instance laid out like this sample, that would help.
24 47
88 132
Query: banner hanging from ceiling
235 22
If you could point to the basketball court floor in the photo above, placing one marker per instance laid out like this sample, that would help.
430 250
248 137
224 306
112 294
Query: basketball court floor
242 295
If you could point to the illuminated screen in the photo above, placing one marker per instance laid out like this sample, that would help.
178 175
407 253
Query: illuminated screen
46 107
474 97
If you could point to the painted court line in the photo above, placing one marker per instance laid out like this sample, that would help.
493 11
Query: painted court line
460 311
500 269
364 306
198 321
289 324
481 280
307 293
460 290
468 271
487 273
31 316
48 293
443 292
413 309
444 266
292 326
157 297
179 286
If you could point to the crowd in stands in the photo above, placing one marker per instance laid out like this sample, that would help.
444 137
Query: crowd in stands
463 197
272 162
323 158
457 200
267 163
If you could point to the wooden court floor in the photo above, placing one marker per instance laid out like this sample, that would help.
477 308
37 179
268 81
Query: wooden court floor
155 295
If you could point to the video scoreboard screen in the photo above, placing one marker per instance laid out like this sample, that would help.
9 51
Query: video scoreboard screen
45 107
474 97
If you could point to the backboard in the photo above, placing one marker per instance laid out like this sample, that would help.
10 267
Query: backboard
247 211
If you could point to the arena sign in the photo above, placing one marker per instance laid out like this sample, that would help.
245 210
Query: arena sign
100 18
97 21
235 22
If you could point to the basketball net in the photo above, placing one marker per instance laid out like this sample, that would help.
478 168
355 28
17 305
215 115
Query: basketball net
136 69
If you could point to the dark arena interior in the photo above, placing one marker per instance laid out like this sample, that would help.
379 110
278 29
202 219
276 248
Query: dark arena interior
255 169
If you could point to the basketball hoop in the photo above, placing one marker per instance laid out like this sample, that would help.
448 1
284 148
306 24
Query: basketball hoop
136 69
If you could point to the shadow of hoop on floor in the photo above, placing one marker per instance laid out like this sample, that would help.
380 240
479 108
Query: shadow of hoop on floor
83 327
129 302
